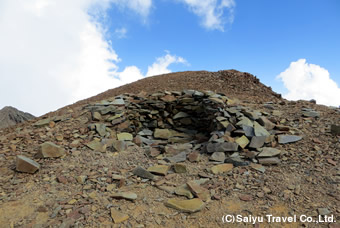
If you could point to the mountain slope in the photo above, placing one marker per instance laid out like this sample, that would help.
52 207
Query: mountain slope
10 116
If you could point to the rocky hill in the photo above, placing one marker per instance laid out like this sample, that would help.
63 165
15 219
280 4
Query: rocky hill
10 116
177 150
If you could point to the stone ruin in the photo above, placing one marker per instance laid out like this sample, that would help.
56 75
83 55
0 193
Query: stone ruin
174 125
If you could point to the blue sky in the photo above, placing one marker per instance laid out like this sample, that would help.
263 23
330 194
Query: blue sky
58 52
265 37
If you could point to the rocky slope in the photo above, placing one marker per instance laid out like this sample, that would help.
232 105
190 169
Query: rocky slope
10 116
178 150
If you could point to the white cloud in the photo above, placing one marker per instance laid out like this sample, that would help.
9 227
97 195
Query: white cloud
309 81
121 33
53 53
212 12
162 63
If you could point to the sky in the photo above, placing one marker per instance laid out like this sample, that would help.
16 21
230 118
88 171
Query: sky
56 52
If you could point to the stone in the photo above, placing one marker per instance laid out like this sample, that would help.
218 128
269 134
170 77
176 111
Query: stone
119 102
162 133
97 116
306 112
282 128
181 157
244 121
180 115
159 169
81 179
199 191
50 150
257 142
252 115
125 136
217 169
217 156
145 132
180 168
222 147
117 216
323 211
283 139
139 171
269 152
189 206
183 190
101 129
259 130
194 156
236 161
42 122
97 146
245 197
119 145
267 124
242 141
258 167
26 165
248 131
269 161
335 129
124 195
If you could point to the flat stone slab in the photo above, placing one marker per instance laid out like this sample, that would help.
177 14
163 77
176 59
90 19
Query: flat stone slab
139 171
269 152
97 146
26 165
222 147
181 157
283 139
162 133
124 195
217 156
242 141
259 130
50 150
257 142
117 216
189 206
124 136
217 169
269 161
159 169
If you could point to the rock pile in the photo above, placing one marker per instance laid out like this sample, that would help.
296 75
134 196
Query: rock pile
176 124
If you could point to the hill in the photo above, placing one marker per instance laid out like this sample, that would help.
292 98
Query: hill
178 150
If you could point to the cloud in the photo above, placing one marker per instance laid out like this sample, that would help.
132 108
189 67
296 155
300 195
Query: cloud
121 33
309 81
212 12
162 63
53 53
142 7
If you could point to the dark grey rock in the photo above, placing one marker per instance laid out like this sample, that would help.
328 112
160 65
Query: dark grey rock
248 131
257 141
181 157
222 147
335 130
143 173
